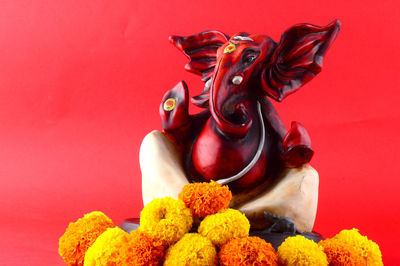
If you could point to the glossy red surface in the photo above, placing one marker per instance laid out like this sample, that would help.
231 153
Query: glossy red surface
81 81
238 141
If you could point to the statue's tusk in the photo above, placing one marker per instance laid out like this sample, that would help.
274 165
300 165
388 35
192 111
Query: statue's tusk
256 156
208 84
237 80
242 38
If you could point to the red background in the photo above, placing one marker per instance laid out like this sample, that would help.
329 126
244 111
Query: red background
80 86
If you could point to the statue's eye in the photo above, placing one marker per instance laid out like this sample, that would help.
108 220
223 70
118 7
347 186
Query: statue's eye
250 58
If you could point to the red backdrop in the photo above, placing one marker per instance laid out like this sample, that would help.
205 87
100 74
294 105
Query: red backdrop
80 86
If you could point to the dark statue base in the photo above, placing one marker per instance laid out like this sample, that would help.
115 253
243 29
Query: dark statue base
130 224
275 239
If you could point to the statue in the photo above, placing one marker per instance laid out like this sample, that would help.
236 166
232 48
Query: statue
239 139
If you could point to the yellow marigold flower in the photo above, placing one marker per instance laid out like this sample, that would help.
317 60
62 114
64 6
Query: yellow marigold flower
116 247
80 235
108 248
205 198
252 251
166 219
341 253
224 225
298 251
367 249
193 249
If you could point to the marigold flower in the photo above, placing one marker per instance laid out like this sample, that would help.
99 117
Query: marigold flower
298 250
166 219
116 247
193 249
80 235
366 248
146 250
341 253
205 198
224 225
252 251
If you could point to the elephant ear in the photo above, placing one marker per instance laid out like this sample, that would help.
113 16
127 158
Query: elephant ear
297 59
201 49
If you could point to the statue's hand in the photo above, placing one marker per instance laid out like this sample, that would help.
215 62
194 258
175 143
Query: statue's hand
279 224
296 146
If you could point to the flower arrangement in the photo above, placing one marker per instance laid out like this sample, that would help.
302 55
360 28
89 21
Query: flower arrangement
163 238
251 251
80 235
205 198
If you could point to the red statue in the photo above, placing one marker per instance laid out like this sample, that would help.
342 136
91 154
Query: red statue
239 139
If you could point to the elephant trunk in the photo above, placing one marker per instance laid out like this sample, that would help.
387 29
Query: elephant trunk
229 112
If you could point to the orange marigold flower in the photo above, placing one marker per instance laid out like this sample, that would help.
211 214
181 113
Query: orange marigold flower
247 251
116 247
205 198
80 235
341 253
147 250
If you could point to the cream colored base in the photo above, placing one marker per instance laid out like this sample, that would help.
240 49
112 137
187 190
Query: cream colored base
294 194
161 166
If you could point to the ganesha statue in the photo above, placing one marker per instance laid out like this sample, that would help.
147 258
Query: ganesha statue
238 139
